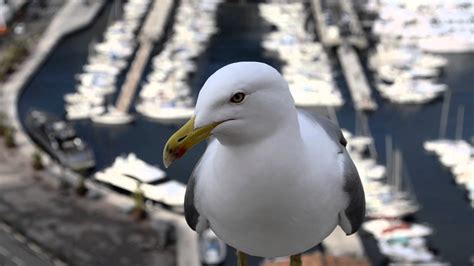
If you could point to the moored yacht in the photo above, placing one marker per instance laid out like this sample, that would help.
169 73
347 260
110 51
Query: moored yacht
128 172
59 140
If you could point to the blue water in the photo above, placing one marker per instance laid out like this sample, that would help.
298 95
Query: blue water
444 204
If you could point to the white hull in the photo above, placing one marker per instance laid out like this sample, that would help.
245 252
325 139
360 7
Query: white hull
113 118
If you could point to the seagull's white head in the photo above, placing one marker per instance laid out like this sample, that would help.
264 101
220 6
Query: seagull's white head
239 104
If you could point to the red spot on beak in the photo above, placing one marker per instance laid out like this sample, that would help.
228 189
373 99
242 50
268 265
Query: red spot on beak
180 152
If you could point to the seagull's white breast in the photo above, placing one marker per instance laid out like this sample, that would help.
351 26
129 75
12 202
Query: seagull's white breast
273 198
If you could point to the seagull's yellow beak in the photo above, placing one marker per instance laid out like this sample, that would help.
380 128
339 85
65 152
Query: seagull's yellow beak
184 139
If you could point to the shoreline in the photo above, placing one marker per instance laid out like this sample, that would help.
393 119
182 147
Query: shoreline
186 242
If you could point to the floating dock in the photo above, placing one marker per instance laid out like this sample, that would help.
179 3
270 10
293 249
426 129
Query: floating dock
152 31
328 34
356 79
357 35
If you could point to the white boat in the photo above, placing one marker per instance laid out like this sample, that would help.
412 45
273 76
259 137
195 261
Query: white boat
390 73
76 98
96 90
82 110
212 250
384 229
112 117
102 68
165 97
166 115
109 60
128 172
406 250
447 44
96 79
307 68
130 165
411 91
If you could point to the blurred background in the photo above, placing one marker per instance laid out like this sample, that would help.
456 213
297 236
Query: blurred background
90 90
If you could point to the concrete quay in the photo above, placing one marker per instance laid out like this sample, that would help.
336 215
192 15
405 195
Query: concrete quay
58 227
357 36
152 31
356 79
328 34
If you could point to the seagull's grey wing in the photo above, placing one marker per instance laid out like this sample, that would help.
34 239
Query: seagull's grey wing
193 218
190 212
352 217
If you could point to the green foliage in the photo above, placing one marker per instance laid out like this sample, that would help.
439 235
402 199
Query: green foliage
3 124
10 138
139 210
81 188
12 56
37 162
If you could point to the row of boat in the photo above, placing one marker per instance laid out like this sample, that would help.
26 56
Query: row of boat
129 173
107 59
433 26
405 74
389 201
458 157
166 95
307 68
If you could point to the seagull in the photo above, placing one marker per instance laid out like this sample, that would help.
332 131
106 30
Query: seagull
273 181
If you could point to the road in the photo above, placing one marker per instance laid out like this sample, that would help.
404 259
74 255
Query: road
13 252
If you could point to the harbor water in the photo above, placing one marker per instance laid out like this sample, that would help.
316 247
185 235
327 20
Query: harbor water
241 29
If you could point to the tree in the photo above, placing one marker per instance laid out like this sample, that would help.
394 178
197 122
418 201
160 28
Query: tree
139 211
3 125
37 162
10 138
81 189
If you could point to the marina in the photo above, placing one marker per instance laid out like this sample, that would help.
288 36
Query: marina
152 31
415 214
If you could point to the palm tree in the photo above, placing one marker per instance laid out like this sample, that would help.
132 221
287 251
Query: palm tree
81 189
139 211
3 125
9 134
37 162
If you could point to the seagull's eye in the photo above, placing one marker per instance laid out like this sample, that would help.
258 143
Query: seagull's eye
237 97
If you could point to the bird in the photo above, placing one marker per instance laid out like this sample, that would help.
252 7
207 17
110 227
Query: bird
273 181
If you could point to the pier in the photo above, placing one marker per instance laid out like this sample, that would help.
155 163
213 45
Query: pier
356 79
151 32
356 35
328 34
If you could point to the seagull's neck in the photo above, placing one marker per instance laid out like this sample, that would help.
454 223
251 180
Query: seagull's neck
286 142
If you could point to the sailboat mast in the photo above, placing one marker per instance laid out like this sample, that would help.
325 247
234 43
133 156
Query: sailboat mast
443 123
388 154
459 122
